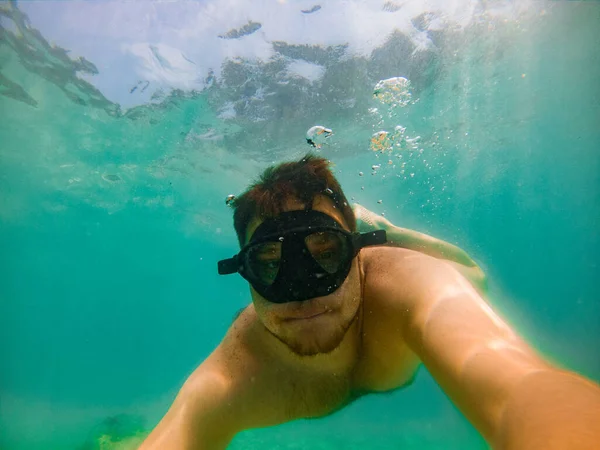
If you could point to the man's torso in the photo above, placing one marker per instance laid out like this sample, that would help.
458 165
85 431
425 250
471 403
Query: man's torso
269 390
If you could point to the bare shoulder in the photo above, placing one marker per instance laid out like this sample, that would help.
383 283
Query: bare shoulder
410 269
378 259
399 279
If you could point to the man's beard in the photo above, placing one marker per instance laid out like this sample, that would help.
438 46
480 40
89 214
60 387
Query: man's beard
321 342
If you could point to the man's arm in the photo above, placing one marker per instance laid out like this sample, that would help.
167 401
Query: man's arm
238 387
413 240
197 419
510 394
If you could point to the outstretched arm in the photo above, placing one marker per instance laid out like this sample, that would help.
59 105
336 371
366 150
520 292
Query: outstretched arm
200 417
515 398
413 240
193 421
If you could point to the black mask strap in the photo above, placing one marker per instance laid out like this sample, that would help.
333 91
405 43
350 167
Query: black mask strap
360 240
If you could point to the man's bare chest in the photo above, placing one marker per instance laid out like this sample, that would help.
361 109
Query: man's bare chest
285 393
386 361
280 391
382 367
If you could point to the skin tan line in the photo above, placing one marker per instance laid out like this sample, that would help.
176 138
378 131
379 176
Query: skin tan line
398 308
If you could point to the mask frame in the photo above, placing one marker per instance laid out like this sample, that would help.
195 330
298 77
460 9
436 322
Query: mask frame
299 276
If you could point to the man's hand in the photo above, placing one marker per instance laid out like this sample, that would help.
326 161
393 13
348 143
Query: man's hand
413 240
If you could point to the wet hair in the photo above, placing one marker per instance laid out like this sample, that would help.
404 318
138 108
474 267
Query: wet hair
302 180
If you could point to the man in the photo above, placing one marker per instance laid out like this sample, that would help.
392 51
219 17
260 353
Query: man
336 315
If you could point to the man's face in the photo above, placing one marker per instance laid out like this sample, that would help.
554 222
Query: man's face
317 325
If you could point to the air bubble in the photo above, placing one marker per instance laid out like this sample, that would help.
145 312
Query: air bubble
394 92
380 142
317 135
112 178
230 198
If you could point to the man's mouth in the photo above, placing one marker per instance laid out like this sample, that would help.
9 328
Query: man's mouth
306 316
305 310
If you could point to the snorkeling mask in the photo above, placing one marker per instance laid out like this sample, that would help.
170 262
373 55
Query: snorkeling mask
299 255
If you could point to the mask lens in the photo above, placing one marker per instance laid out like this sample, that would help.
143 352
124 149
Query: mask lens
264 260
329 249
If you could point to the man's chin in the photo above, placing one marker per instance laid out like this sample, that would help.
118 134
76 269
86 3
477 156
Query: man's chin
302 348
313 336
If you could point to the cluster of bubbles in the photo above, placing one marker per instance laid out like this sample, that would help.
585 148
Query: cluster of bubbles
394 92
392 145
383 141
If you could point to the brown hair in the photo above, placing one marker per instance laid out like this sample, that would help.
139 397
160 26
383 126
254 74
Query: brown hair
303 180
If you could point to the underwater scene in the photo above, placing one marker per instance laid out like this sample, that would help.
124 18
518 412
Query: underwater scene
128 127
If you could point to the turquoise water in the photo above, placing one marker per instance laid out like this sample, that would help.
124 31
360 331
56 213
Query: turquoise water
112 211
